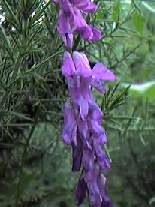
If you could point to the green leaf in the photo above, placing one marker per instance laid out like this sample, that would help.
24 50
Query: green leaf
21 116
116 11
6 42
138 23
40 13
11 13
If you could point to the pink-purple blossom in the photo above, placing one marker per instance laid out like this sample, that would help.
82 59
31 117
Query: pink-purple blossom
83 129
71 20
81 78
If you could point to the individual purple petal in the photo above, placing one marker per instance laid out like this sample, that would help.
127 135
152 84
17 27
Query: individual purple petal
82 64
68 40
90 33
98 85
102 138
83 108
106 202
78 22
88 161
95 112
69 80
95 115
85 89
69 125
90 8
92 185
68 68
102 159
74 133
100 72
64 29
80 94
83 129
63 24
96 128
77 155
86 6
81 190
94 194
66 6
65 136
96 35
86 33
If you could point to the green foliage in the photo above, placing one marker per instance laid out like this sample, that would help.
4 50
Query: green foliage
138 23
116 11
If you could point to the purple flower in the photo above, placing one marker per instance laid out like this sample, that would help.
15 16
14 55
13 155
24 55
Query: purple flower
71 21
83 129
106 202
87 141
80 78
77 155
81 191
86 6
69 134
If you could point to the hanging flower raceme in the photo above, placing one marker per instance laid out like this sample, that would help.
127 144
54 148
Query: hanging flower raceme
82 117
82 126
71 21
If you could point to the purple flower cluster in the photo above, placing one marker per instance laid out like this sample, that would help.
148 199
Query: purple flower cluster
71 21
82 117
83 127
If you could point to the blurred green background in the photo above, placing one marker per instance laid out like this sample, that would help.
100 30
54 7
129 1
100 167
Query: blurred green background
35 166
